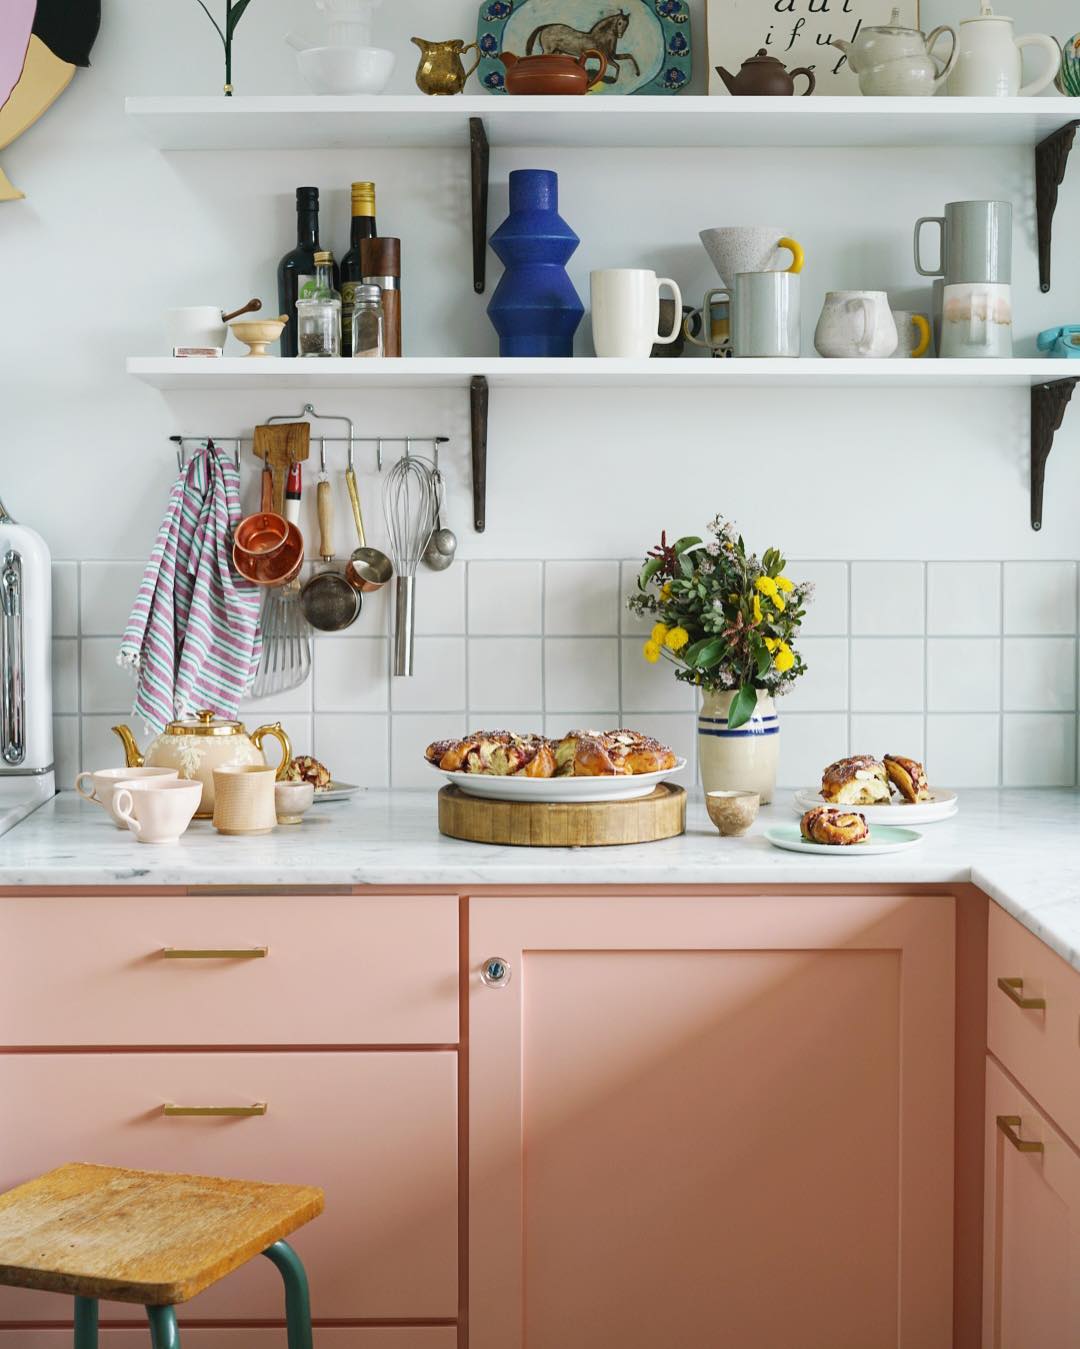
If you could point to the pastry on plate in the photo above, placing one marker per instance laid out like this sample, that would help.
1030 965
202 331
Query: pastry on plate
858 781
908 777
591 754
632 752
498 753
837 828
304 768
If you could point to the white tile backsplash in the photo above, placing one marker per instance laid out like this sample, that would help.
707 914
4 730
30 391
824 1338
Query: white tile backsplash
981 678
66 751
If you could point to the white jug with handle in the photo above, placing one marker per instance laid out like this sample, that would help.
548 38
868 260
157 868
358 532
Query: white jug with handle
990 62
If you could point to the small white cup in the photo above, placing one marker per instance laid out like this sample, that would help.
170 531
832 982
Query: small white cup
105 781
157 812
626 312
292 800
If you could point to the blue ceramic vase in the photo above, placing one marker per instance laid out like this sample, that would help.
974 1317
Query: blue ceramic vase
535 308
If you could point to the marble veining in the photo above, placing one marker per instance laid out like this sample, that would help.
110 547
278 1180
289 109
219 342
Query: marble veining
1021 847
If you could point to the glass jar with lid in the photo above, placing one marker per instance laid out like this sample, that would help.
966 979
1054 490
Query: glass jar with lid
368 322
318 311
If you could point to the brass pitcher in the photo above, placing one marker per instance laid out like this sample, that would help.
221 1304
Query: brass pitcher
441 70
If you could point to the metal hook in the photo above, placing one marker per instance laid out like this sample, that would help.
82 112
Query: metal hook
378 453
322 455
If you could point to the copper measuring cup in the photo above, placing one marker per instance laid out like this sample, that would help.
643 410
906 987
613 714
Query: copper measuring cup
367 569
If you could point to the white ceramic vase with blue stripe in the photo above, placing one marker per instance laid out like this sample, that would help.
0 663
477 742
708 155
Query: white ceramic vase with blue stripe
738 760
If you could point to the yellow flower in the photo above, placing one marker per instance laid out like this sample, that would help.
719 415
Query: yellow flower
676 639
785 584
767 586
665 591
651 651
784 659
757 609
658 634
772 643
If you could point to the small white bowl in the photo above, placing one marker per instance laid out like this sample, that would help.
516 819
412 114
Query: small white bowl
292 801
346 70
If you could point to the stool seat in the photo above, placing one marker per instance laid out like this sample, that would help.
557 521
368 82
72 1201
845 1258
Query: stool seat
149 1237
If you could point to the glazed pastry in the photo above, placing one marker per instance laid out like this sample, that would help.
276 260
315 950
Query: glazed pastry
908 777
583 754
858 781
837 828
498 753
580 754
632 752
306 769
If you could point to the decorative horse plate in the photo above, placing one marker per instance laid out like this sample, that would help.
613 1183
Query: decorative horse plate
646 42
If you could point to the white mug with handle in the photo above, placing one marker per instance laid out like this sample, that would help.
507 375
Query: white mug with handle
157 811
626 311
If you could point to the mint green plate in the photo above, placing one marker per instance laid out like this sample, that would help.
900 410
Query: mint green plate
883 838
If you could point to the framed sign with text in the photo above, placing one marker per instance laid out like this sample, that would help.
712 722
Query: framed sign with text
797 32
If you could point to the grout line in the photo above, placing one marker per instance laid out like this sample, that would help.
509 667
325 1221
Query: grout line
1001 676
926 661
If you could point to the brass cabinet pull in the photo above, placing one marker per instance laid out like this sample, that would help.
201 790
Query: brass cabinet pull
1010 1127
225 1111
1014 989
215 953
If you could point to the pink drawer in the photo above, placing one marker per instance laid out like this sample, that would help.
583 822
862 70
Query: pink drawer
1039 1046
379 1337
378 1131
337 970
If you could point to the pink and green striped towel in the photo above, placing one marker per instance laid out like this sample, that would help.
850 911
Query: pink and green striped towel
193 637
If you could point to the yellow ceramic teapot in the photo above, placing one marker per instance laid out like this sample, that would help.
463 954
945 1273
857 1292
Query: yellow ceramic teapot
197 745
441 70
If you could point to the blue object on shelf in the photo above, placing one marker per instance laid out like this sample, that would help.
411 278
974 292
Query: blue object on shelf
1061 342
535 309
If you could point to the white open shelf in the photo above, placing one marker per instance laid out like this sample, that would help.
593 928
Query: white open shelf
452 372
311 122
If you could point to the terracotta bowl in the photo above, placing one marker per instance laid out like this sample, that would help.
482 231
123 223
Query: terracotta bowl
732 812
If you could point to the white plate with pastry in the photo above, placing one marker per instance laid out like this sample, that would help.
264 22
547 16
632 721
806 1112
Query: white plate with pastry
942 805
625 787
336 791
888 790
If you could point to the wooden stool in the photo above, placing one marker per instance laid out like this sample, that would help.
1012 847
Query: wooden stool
152 1238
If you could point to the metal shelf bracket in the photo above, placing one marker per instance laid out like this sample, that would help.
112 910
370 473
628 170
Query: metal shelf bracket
1051 157
1048 404
480 155
478 409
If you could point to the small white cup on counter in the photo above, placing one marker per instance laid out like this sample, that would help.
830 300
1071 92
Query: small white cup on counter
157 810
105 781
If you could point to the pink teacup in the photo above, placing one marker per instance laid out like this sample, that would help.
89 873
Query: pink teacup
157 811
106 780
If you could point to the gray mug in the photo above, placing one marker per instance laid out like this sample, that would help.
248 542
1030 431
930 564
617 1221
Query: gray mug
976 243
766 317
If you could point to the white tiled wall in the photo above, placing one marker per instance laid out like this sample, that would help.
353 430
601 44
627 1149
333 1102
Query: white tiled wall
971 666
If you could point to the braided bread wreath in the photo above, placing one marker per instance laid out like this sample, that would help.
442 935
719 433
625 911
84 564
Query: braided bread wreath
580 754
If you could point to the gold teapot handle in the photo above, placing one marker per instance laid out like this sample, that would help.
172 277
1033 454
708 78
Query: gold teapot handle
479 57
276 731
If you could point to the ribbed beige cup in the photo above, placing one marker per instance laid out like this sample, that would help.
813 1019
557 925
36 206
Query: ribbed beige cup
244 799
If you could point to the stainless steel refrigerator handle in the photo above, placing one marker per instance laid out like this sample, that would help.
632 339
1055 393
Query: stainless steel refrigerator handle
12 674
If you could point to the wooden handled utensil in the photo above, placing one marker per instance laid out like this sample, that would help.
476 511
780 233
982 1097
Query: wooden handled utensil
279 447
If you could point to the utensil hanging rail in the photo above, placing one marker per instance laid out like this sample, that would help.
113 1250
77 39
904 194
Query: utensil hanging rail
238 441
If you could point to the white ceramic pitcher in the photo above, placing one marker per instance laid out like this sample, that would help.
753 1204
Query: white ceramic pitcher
989 63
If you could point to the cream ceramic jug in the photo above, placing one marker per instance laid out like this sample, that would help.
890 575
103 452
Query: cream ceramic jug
989 61
197 745
896 61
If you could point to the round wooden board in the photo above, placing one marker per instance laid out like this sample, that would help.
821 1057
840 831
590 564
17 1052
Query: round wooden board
584 824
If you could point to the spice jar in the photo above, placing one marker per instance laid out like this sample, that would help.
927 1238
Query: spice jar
368 322
318 312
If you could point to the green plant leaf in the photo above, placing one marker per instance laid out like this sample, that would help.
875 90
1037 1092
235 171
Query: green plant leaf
236 13
706 653
649 571
687 541
742 707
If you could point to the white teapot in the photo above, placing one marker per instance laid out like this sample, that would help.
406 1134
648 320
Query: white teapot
990 63
894 60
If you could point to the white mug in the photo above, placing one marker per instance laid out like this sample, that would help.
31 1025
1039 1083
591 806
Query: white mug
913 332
856 324
105 781
158 811
626 311
976 320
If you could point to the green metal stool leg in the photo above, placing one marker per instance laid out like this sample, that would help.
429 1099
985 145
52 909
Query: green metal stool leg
86 1323
164 1332
297 1298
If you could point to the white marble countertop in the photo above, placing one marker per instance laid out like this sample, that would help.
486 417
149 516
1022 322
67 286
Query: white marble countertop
1021 847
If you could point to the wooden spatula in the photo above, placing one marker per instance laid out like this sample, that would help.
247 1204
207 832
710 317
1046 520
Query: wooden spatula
279 447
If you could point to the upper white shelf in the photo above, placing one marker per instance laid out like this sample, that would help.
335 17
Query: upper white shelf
311 122
454 372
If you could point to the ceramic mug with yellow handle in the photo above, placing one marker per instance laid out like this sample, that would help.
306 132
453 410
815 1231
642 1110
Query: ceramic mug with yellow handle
913 331
751 248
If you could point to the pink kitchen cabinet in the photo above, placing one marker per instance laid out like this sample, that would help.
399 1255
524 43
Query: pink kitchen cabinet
1031 1250
711 1120
335 1337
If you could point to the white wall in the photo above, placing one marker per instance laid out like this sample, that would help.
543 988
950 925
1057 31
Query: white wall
113 232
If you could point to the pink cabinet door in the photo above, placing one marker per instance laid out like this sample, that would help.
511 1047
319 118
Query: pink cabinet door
1031 1251
338 969
711 1120
340 1337
378 1131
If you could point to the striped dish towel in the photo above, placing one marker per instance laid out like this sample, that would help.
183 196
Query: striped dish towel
193 637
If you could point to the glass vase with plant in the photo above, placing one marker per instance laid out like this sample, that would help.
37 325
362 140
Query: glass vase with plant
728 621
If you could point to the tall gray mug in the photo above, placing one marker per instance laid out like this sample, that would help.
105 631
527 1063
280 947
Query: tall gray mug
976 243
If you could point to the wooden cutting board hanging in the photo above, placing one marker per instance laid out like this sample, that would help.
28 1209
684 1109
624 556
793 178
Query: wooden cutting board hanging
573 824
279 447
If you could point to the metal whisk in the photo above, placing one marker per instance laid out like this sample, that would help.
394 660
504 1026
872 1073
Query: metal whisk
409 511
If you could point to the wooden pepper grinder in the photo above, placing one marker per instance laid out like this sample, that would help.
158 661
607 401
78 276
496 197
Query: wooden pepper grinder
380 265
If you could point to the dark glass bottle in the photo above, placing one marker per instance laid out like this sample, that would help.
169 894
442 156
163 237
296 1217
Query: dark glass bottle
297 268
352 273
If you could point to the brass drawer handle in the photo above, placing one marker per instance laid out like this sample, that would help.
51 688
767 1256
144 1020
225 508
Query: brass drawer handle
215 953
225 1111
1014 989
1010 1127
